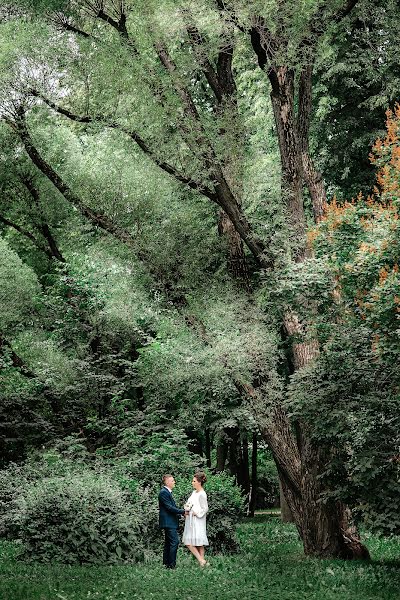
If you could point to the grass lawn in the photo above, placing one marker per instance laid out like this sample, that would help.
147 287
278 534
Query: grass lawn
271 566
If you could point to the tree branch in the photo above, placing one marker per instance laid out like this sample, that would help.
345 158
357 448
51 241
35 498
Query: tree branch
181 90
60 110
230 15
203 60
165 166
26 234
120 27
343 12
317 27
16 360
222 195
62 22
99 219
43 227
265 47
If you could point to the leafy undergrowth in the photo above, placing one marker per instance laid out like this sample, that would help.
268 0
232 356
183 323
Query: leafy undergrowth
270 566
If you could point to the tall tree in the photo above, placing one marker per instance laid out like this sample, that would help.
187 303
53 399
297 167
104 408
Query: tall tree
205 130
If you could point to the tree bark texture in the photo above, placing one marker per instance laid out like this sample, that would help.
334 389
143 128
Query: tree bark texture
286 513
282 97
222 454
312 178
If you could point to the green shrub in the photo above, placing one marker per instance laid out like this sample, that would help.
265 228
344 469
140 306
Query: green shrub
83 518
65 457
12 481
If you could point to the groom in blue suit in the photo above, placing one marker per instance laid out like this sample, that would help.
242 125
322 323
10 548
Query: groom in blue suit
169 521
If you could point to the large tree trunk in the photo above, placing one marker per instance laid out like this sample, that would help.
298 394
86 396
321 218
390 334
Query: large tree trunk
244 466
236 259
43 226
233 442
313 178
323 526
282 97
222 454
238 458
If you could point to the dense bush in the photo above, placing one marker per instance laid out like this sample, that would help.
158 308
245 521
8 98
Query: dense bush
66 457
13 481
84 518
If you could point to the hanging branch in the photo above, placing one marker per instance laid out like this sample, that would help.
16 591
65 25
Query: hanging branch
222 193
221 196
62 22
44 228
97 218
26 234
144 146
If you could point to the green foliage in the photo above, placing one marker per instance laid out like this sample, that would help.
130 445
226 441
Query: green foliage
64 507
25 412
19 290
353 403
80 518
116 500
147 457
61 460
356 80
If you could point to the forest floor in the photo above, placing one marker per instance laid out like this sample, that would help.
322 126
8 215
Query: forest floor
270 566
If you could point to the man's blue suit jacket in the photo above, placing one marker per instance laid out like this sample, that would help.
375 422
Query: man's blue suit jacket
169 512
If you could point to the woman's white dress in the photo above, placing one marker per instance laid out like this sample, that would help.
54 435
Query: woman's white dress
195 532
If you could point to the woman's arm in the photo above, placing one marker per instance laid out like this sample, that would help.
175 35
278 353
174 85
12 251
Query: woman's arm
203 506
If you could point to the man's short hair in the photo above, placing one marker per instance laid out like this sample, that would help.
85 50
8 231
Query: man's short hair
165 477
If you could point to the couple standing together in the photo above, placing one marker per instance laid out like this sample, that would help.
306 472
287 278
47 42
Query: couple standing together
194 511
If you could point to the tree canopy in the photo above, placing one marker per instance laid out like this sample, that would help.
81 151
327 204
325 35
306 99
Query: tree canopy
173 258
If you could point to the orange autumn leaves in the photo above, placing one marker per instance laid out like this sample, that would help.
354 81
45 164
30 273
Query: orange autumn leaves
386 155
361 238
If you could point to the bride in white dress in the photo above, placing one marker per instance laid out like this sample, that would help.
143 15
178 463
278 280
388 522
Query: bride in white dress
196 507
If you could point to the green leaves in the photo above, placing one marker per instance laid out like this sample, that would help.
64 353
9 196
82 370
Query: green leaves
84 517
19 290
